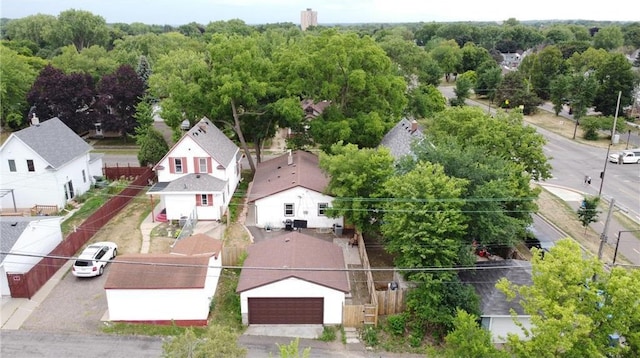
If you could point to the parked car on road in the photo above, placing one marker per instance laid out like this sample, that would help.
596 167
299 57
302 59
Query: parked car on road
628 156
94 258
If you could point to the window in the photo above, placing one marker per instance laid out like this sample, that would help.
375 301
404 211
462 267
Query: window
322 209
30 166
12 165
202 165
84 176
204 199
288 209
178 164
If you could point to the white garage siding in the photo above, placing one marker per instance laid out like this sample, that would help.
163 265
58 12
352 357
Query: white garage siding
501 326
294 287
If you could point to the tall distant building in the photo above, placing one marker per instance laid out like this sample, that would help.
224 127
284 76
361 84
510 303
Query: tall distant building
308 18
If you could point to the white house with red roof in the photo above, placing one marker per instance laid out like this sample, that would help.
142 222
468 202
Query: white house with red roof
290 188
293 279
175 288
199 175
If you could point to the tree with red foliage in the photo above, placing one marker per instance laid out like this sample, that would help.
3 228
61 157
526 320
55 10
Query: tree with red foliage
66 96
118 95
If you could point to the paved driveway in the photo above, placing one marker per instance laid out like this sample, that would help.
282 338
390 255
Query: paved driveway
74 305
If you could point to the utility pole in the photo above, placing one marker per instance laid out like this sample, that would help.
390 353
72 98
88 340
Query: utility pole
603 236
613 131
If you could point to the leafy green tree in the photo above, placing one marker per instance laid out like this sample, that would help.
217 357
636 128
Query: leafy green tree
473 57
614 75
34 28
448 56
425 101
631 34
541 68
504 136
575 305
80 28
413 61
144 118
153 147
355 75
489 77
608 38
582 93
498 198
94 60
559 90
514 91
18 73
588 211
356 179
468 339
559 33
432 305
423 223
462 91
217 342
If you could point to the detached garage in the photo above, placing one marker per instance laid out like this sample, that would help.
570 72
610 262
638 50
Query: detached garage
279 286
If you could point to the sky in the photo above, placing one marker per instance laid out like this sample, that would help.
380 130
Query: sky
179 12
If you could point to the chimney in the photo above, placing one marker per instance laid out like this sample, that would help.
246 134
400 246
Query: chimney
414 126
290 158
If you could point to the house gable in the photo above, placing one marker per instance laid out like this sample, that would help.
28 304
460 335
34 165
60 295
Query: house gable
401 137
53 141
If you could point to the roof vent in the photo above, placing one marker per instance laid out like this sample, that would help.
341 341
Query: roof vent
198 176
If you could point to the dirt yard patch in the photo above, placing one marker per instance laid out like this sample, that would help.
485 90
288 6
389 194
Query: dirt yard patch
124 228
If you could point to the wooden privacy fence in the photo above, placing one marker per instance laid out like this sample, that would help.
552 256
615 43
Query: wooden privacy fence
25 285
382 302
231 256
117 172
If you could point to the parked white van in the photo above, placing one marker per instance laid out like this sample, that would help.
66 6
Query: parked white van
628 156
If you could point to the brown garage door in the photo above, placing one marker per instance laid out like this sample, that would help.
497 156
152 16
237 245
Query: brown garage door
286 310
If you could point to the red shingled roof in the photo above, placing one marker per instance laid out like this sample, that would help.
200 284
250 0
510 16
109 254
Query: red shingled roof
198 244
294 250
157 271
276 175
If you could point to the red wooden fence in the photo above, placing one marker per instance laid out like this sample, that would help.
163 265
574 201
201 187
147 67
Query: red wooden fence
27 284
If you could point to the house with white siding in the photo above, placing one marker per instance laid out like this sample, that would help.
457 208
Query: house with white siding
290 189
199 174
45 164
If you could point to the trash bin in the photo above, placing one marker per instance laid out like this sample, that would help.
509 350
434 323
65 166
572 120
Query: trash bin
288 225
337 229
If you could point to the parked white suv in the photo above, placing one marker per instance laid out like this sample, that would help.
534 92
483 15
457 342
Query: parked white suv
94 258
628 156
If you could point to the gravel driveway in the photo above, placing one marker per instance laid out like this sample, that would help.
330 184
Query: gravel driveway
74 305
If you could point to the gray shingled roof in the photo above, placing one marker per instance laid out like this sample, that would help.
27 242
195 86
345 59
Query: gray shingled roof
213 141
276 175
56 143
11 227
294 250
492 301
400 138
201 183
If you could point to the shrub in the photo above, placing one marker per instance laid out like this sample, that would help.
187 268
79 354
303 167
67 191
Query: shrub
370 336
328 334
396 324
